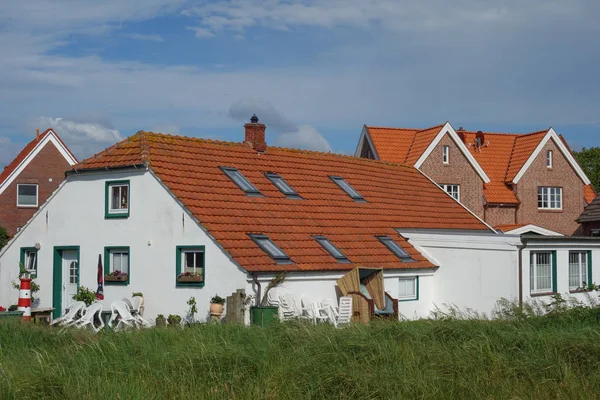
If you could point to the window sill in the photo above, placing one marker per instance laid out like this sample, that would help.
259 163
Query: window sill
116 283
18 206
189 284
549 210
543 294
581 291
405 300
116 216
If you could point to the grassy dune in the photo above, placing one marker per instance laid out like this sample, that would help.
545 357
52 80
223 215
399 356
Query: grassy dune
543 357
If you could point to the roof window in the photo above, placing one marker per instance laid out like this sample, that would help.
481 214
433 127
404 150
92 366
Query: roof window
240 180
395 248
345 186
334 251
282 185
271 248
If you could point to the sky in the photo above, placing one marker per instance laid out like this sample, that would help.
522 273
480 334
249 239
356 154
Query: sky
314 71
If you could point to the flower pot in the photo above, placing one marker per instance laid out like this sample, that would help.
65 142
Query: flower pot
115 278
161 322
216 309
190 279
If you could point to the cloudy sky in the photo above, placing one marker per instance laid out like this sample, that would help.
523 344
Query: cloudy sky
314 71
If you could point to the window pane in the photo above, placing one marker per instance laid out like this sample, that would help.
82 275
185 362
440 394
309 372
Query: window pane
124 198
116 194
407 287
348 189
272 248
73 272
189 261
30 260
27 195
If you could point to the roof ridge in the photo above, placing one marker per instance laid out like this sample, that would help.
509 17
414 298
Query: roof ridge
144 148
392 128
430 128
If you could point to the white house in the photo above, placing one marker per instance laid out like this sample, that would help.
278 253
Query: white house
229 214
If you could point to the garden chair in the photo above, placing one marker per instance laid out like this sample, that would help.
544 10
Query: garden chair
344 314
134 304
288 307
126 320
88 318
71 316
314 310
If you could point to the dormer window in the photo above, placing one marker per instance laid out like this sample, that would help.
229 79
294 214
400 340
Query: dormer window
282 185
117 199
445 154
271 248
395 248
549 159
331 249
345 186
240 180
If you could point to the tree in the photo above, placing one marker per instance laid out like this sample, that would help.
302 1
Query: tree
589 159
3 237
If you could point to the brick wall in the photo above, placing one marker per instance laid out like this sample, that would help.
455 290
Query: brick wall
48 165
562 175
500 215
458 171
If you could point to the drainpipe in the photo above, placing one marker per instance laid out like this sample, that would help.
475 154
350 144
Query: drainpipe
521 247
258 290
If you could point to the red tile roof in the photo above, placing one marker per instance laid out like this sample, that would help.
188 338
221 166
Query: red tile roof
392 144
10 168
397 197
508 227
589 193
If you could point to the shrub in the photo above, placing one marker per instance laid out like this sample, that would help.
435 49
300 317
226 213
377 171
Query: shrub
217 299
86 295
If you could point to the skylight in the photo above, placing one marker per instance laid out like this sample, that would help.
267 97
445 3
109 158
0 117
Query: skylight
345 186
282 185
240 180
395 248
271 248
334 251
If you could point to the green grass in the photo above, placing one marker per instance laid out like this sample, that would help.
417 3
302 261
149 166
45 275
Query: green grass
543 357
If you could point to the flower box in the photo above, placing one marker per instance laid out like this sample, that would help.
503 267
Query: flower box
115 278
190 279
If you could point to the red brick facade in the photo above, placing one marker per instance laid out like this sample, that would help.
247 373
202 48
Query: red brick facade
47 170
458 171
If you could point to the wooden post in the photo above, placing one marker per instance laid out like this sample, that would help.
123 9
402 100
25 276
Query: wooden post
234 310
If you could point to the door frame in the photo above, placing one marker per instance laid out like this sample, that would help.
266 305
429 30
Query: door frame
57 274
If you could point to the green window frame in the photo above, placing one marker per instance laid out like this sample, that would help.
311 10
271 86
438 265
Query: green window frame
110 212
108 260
578 265
23 259
411 298
537 260
179 251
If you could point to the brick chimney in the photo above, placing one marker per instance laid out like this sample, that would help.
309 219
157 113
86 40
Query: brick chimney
37 133
255 135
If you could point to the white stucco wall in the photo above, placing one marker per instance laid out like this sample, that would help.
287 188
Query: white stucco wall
156 225
475 271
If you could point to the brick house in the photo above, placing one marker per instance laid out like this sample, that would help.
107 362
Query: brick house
517 183
31 177
590 219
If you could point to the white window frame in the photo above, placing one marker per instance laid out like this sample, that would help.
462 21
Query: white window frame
197 253
27 255
448 188
549 159
113 253
111 209
545 194
403 283
37 195
533 272
446 154
579 268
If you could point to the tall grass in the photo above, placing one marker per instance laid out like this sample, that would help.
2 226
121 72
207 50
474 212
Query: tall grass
542 357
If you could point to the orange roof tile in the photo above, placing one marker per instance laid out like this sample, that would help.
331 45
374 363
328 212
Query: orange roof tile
189 168
392 144
524 147
420 143
589 193
508 227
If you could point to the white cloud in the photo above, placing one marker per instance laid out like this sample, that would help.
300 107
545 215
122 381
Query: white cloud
139 36
201 33
305 137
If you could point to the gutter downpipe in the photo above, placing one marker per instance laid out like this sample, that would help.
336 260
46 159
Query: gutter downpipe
258 289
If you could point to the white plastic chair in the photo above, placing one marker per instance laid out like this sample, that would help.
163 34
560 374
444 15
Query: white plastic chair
126 320
344 311
313 310
70 317
87 320
290 309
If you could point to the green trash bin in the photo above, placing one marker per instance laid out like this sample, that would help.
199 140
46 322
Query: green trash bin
11 314
263 316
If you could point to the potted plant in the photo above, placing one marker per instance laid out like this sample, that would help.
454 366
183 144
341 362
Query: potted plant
86 295
174 320
116 276
160 320
216 305
190 277
262 313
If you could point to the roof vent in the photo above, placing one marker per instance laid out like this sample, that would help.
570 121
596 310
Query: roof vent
254 119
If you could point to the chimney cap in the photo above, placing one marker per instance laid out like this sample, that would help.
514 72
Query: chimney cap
254 119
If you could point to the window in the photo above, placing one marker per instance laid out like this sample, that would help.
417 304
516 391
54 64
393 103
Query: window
271 249
408 289
595 233
74 272
446 154
452 190
395 248
334 251
27 195
542 272
116 265
190 264
550 198
345 186
549 159
117 199
282 185
580 269
240 180
29 259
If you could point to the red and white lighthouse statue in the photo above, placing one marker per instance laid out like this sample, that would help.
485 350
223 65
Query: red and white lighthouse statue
24 303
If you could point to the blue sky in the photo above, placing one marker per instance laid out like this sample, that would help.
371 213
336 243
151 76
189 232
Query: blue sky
314 71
